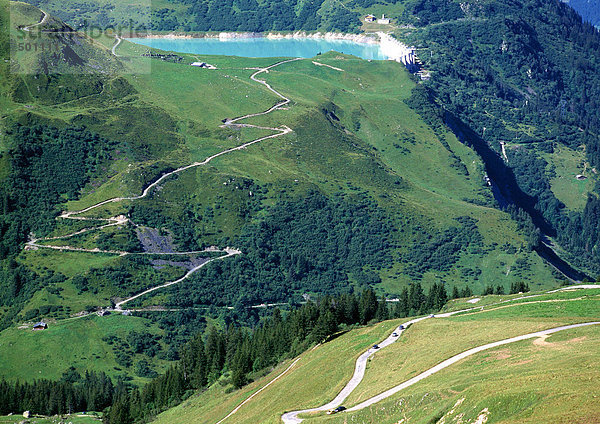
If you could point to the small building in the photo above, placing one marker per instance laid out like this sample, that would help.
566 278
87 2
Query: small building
383 20
370 18
40 326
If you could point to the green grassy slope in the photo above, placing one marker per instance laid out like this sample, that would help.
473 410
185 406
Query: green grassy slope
504 380
529 382
49 46
353 134
78 342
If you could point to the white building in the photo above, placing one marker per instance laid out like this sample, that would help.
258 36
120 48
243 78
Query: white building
383 20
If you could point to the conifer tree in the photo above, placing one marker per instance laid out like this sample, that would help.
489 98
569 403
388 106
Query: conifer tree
455 293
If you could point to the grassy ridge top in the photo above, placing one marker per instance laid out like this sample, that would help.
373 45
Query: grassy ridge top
42 44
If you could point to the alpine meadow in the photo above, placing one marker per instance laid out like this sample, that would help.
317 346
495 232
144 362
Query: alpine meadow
213 238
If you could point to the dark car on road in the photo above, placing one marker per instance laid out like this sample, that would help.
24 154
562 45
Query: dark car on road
336 410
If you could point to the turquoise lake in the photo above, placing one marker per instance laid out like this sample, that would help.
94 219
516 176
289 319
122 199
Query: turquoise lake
263 47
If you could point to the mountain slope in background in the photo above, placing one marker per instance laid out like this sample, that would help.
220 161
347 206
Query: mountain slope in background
523 89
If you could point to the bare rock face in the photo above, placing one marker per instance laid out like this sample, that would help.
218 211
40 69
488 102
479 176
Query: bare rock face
153 242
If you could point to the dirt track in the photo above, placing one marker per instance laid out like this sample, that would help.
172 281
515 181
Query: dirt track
35 243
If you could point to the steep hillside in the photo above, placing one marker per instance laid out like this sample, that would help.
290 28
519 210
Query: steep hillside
41 44
543 380
527 93
522 89
218 15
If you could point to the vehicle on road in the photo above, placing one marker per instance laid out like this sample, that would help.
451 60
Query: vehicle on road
336 410
431 316
401 327
394 334
375 346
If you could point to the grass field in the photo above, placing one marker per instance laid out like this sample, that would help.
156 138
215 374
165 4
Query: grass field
500 301
76 418
332 362
567 358
415 352
566 164
548 380
78 342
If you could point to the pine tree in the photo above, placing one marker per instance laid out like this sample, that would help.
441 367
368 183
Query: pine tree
416 298
441 297
402 308
383 311
455 293
350 309
119 411
368 306
325 326
199 371
215 352
488 290
240 366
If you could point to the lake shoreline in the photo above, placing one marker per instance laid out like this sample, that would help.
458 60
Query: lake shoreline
389 46
357 38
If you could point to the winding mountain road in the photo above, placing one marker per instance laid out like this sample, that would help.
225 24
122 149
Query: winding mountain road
118 40
454 359
359 373
35 243
41 22
360 367
228 250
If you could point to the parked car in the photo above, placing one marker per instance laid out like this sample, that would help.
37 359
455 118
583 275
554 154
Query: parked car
336 410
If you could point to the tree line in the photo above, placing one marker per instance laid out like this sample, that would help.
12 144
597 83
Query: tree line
255 16
235 354
73 392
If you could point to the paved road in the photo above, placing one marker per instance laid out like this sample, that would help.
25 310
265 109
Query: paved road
228 250
359 373
114 47
577 286
41 22
460 357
